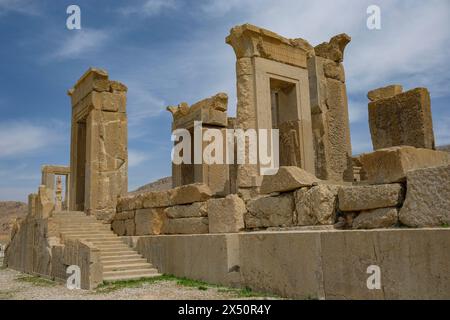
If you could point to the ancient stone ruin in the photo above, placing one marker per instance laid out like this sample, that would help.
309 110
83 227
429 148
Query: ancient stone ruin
301 232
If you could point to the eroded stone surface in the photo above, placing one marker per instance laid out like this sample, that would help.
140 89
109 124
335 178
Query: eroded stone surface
186 226
376 218
316 205
427 200
150 221
403 119
190 193
273 211
197 209
357 198
384 92
226 214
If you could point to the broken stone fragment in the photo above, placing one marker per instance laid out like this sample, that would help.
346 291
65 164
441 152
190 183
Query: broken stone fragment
358 198
287 179
334 49
377 218
384 92
427 202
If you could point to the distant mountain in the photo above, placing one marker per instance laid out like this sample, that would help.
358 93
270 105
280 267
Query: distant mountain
444 148
158 185
9 210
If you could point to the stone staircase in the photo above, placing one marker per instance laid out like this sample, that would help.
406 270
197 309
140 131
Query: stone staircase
120 262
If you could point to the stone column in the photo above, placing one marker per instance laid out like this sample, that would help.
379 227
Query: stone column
99 155
329 111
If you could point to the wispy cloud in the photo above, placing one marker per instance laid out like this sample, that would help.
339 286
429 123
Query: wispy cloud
79 42
135 158
23 137
149 7
25 7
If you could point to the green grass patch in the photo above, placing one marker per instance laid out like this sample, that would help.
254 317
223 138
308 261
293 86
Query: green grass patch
36 281
6 295
445 225
110 286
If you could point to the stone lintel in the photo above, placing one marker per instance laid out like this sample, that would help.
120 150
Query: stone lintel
250 41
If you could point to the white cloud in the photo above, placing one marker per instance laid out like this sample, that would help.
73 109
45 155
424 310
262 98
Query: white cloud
135 158
442 130
358 111
79 42
149 7
19 138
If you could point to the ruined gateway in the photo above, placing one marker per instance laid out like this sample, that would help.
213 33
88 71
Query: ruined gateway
299 233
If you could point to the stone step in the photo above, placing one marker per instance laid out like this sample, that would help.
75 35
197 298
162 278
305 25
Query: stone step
108 262
116 246
126 266
124 274
89 235
118 255
118 249
106 240
131 277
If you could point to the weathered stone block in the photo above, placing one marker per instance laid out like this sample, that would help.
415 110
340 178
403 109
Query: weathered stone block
150 221
130 227
276 211
385 92
287 179
358 198
334 70
391 164
118 226
316 205
226 215
155 199
377 218
427 200
186 226
190 193
404 119
197 209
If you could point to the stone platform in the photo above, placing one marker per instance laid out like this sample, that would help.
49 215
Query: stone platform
322 264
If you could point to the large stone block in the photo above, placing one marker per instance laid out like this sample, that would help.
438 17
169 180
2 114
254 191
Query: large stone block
287 179
190 193
358 198
186 226
385 92
213 258
155 199
149 221
404 119
391 164
118 226
427 200
316 205
226 214
377 218
197 209
277 211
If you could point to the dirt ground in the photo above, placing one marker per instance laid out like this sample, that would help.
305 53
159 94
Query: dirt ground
18 286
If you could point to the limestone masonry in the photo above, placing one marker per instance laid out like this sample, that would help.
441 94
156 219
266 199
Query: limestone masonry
302 232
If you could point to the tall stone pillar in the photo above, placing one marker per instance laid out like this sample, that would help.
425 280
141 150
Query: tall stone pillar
99 155
273 93
329 111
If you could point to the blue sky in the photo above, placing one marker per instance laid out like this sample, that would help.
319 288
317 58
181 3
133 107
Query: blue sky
168 51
